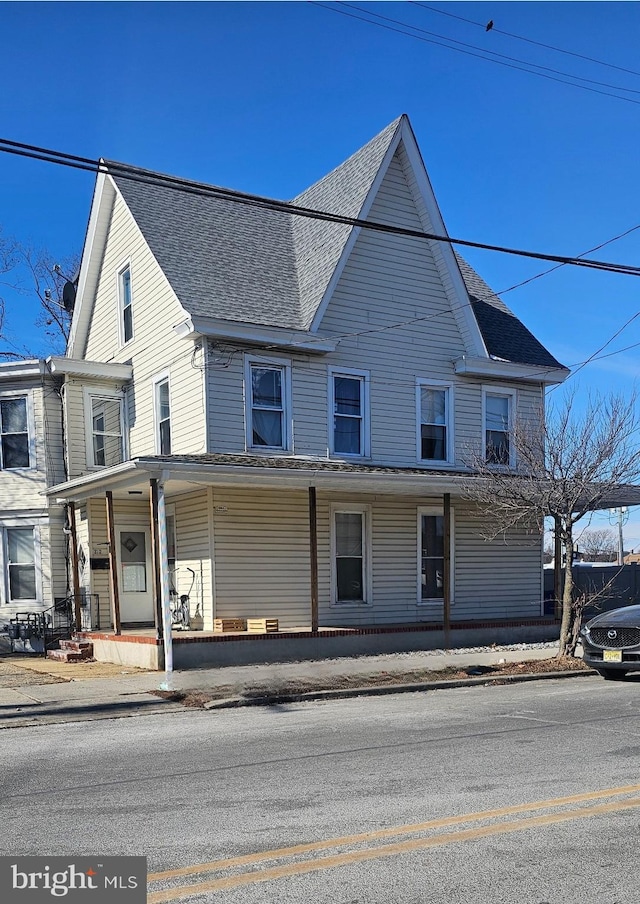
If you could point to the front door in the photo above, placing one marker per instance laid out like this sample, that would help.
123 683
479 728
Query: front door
135 581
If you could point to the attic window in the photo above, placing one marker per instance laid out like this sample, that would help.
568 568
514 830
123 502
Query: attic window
126 306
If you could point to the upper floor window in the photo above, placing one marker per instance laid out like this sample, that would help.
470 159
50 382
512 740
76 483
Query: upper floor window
348 413
434 440
498 420
106 434
20 552
267 397
163 416
126 305
14 433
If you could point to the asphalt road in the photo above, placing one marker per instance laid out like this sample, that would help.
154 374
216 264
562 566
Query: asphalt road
527 793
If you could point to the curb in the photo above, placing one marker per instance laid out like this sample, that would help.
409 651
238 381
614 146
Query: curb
387 689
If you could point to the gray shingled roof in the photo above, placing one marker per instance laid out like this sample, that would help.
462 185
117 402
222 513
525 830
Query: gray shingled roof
505 337
257 266
344 190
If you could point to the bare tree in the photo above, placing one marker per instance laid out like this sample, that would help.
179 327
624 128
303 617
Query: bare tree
8 262
568 464
49 277
598 544
25 271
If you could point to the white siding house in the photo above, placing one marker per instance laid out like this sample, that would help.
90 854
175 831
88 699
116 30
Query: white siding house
32 541
304 396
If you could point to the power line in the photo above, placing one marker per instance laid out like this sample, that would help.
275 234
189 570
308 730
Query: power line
486 55
148 177
510 34
492 53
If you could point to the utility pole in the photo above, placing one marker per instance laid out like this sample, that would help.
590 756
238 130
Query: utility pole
621 516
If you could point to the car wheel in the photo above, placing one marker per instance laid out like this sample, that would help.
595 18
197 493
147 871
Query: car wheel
613 674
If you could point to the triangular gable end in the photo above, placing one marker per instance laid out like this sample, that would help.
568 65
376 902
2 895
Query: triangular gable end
98 229
90 263
404 142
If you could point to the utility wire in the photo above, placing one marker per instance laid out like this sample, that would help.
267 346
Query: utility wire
483 55
148 177
491 53
510 34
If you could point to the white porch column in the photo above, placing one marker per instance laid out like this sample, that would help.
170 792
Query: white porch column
165 590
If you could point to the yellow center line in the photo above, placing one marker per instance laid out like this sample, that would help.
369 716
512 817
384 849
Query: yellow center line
328 843
388 850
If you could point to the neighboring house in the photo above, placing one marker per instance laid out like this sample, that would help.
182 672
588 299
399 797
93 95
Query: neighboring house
32 539
302 395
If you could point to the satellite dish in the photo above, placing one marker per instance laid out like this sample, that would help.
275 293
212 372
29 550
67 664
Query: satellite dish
68 297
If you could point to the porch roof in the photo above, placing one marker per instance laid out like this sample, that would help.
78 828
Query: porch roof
180 473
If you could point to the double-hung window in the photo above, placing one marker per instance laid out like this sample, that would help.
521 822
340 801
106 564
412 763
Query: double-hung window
163 416
431 554
350 559
106 439
434 422
20 558
348 416
267 401
14 433
126 305
498 420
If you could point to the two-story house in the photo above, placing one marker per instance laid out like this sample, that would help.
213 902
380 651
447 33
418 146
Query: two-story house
303 394
32 532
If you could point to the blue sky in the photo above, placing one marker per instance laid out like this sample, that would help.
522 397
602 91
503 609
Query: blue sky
267 97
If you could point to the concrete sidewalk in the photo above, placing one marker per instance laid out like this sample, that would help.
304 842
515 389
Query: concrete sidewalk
59 692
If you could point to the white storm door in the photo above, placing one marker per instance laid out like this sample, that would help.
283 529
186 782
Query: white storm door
135 578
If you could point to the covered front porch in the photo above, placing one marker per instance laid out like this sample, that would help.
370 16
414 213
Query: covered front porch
246 538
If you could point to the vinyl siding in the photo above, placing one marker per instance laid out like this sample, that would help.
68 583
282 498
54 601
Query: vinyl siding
262 562
154 348
262 555
387 280
497 579
22 488
193 552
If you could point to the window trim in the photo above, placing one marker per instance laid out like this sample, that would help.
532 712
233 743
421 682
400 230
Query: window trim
31 431
449 412
365 511
434 602
512 395
89 396
122 269
365 428
284 364
17 524
155 384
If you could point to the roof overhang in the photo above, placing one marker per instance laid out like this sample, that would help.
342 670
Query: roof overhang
491 368
254 334
132 479
23 369
101 370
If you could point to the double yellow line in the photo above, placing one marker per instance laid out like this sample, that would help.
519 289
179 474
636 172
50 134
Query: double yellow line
374 851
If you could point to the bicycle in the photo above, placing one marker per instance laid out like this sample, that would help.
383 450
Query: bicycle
180 610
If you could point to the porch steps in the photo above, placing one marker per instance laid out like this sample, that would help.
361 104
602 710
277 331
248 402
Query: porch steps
72 651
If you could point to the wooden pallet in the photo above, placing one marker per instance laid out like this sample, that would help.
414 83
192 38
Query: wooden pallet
229 624
262 625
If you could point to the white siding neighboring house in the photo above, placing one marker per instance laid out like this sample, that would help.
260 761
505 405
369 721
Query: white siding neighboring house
296 390
32 542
